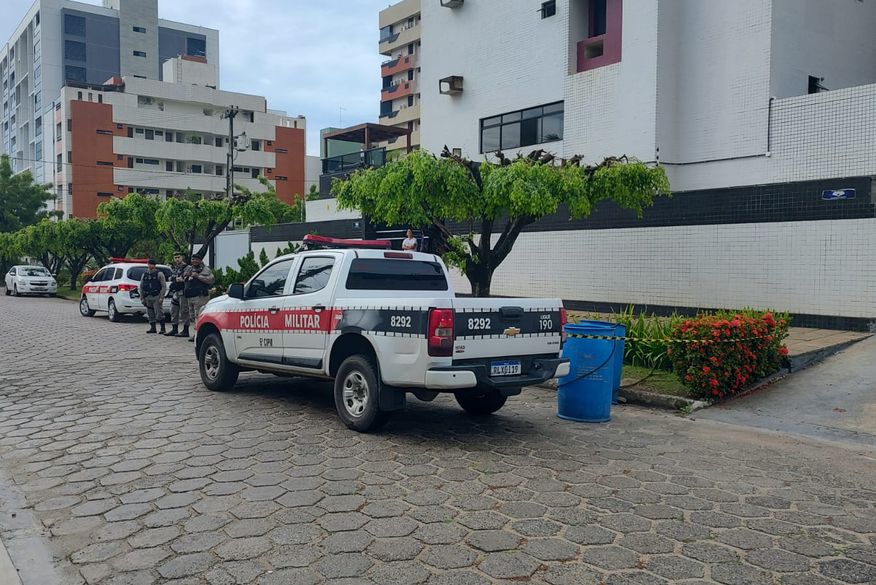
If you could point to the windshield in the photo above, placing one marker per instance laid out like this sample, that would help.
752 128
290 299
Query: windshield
33 271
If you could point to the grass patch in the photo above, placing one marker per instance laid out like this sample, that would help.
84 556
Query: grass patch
64 292
660 382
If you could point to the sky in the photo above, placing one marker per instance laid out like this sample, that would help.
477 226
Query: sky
316 58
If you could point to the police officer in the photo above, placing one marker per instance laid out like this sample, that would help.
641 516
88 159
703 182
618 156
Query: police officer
178 306
198 279
153 288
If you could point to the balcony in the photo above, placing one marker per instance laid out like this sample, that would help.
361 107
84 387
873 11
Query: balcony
363 137
398 65
403 37
401 116
375 157
396 91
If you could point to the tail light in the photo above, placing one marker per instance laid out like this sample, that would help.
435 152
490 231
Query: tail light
440 334
129 288
564 318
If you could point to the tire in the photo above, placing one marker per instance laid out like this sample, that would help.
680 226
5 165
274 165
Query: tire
217 373
84 309
112 313
8 292
480 402
15 290
357 390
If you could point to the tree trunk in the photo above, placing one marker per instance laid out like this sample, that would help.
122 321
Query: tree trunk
480 278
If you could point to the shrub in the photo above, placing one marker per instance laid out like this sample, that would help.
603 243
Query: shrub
717 355
649 347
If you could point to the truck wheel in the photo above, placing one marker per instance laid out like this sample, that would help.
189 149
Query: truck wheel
480 402
357 395
217 373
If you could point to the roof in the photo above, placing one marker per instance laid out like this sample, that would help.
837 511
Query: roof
376 133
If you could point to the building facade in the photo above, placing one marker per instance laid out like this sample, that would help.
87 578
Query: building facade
400 30
60 41
165 138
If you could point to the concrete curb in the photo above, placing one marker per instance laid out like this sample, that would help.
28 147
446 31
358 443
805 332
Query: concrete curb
8 572
643 397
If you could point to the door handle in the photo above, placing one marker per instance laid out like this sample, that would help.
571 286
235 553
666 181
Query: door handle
318 308
274 310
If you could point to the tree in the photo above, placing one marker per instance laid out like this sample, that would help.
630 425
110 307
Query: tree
423 190
75 236
190 221
21 200
121 225
43 241
10 251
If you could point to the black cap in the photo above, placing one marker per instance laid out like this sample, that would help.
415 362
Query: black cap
151 262
198 256
177 253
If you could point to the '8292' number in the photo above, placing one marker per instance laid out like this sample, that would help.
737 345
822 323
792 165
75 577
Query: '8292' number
479 323
401 321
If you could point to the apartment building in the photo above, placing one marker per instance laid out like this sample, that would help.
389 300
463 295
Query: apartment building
400 94
60 41
164 138
762 112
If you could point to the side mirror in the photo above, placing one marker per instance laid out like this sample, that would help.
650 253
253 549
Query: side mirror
235 291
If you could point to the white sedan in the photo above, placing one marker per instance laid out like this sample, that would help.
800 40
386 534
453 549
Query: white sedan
30 280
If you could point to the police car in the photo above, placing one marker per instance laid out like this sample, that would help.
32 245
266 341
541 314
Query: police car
382 324
114 290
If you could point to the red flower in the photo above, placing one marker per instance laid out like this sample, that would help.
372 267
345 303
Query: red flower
713 383
783 351
706 369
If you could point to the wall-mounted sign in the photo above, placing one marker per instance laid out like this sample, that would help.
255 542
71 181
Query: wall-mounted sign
836 194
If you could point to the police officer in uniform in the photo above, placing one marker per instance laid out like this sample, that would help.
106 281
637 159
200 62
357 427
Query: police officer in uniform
153 288
178 306
198 280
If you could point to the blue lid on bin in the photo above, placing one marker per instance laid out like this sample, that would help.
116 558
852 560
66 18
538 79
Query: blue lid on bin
590 328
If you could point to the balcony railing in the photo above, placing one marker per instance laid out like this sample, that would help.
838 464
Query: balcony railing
376 157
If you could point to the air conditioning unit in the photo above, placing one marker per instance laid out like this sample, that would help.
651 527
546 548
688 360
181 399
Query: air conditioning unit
450 85
452 3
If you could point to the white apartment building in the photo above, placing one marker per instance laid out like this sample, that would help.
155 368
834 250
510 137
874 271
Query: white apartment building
62 40
763 113
400 26
166 137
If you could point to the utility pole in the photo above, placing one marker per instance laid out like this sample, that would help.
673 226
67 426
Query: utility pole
230 114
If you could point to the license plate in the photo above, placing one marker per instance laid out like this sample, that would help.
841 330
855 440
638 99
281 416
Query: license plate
506 368
39 288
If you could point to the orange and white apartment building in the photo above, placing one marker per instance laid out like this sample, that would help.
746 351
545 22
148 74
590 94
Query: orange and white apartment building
163 138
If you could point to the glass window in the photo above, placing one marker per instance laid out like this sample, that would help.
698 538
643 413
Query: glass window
598 14
139 53
271 282
150 135
548 8
522 128
387 274
139 29
34 271
137 272
74 50
73 73
100 276
196 47
74 25
313 275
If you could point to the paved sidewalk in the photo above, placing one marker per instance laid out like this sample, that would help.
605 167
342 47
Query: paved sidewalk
8 574
134 474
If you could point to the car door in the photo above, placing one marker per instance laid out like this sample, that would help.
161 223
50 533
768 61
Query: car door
92 290
10 279
308 314
259 323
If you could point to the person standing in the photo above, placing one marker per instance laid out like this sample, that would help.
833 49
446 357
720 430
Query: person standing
178 306
153 288
410 242
198 279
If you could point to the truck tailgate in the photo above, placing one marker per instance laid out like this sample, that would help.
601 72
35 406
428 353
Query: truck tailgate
495 328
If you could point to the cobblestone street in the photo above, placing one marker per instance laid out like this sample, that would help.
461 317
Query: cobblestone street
118 467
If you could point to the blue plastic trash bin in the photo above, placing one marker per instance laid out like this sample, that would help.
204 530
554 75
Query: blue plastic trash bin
618 330
585 394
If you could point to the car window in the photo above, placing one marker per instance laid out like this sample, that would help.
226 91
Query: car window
386 274
118 274
270 282
99 276
34 271
313 275
12 272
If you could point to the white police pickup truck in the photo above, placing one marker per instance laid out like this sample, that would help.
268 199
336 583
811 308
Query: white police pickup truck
381 324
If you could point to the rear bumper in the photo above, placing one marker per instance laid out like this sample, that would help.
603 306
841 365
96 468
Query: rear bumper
478 375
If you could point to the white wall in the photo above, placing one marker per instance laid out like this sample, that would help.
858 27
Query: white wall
510 59
834 39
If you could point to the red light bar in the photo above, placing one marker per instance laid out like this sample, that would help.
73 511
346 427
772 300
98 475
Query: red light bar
128 260
312 242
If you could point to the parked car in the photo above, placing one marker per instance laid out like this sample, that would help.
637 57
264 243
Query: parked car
114 290
382 324
30 280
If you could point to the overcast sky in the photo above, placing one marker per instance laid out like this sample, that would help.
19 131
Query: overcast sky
307 57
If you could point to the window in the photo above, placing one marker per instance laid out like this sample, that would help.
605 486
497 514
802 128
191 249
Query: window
255 173
598 18
139 130
548 8
105 132
74 50
103 163
58 130
313 276
219 142
411 49
196 47
130 132
73 73
59 164
120 157
104 194
385 33
410 74
168 136
385 274
168 166
74 25
101 275
136 272
256 145
150 135
271 282
815 84
139 29
410 101
522 128
151 161
197 169
139 53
